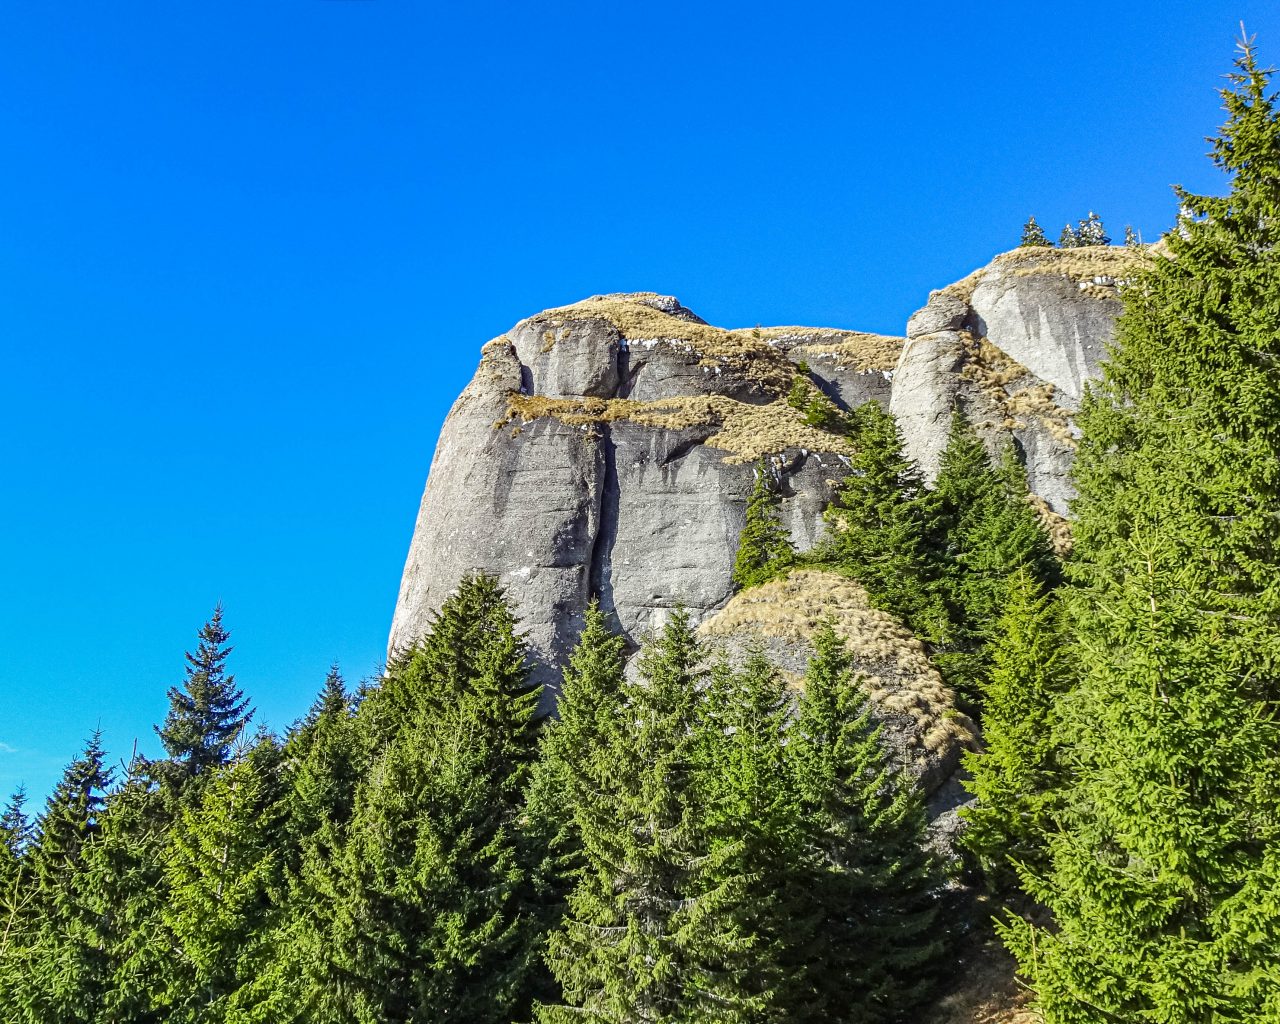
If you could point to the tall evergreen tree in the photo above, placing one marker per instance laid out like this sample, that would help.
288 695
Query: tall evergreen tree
764 548
1070 238
881 525
751 815
432 921
1162 881
207 712
651 935
872 888
17 895
57 970
1091 232
221 869
1014 775
987 530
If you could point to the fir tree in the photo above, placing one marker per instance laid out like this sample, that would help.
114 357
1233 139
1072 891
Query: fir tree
1162 881
57 971
221 873
882 523
650 934
1014 775
870 887
1132 239
1090 231
1033 235
207 712
987 530
431 918
1069 239
751 815
764 549
17 895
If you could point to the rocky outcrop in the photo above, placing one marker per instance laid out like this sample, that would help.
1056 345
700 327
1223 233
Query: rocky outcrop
1013 345
915 707
606 449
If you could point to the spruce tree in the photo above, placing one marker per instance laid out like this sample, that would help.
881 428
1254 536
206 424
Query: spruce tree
207 712
1162 882
222 874
1091 232
764 548
17 895
882 523
1069 239
751 815
651 934
58 970
871 887
1033 235
431 919
1014 775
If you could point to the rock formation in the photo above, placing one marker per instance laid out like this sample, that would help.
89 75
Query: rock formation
608 448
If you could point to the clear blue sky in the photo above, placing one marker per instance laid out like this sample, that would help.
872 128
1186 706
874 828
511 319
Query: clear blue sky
249 251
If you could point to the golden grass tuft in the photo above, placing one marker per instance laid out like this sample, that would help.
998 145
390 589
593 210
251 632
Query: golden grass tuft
898 674
1108 264
1058 527
747 432
746 351
860 350
995 373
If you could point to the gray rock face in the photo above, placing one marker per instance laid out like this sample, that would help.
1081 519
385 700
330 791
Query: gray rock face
571 500
607 449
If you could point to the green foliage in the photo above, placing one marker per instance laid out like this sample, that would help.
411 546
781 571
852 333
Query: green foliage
651 932
764 548
986 530
1090 231
1162 880
868 890
882 526
429 912
207 713
1069 239
1016 772
1033 235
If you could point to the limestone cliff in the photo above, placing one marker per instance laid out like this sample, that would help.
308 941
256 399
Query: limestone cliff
607 448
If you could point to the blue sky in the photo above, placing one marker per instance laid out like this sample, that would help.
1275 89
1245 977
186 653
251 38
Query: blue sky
249 252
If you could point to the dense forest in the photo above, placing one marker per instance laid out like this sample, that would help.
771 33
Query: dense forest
694 839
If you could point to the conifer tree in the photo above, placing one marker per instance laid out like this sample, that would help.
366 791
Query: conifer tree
871 887
1090 231
125 892
1014 775
751 815
17 894
57 971
1033 235
764 548
1069 239
650 934
882 523
1162 881
1131 238
222 874
588 714
207 712
987 530
432 920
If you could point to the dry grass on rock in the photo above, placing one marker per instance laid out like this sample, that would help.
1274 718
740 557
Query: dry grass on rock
747 432
900 678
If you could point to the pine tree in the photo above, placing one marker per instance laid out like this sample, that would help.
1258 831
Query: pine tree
1033 235
17 895
431 918
1132 239
59 972
125 892
882 523
650 934
751 815
1069 239
870 888
764 548
1014 775
589 713
207 712
222 873
1090 231
1162 882
987 530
